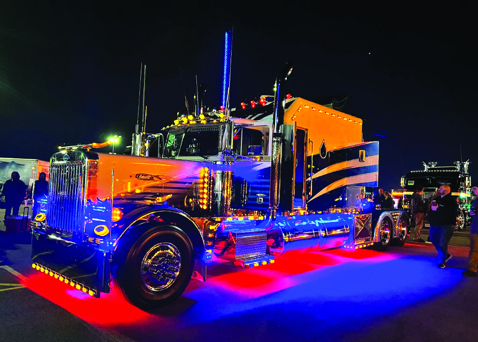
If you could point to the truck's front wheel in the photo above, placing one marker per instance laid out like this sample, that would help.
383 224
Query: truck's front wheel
157 268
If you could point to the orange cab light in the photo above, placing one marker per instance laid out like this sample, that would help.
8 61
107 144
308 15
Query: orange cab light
116 215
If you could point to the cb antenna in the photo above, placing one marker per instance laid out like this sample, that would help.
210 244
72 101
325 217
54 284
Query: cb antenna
186 103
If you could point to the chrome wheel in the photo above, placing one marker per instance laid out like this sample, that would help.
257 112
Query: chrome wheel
385 232
402 231
160 266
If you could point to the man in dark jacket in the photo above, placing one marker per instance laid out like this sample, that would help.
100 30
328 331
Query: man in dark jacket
378 199
15 191
473 256
417 210
442 218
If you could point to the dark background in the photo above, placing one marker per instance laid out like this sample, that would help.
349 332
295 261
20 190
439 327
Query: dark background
69 72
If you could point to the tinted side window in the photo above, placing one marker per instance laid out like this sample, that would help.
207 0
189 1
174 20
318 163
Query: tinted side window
251 141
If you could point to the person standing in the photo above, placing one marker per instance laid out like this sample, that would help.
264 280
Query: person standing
378 198
418 211
442 218
387 203
471 270
39 191
14 191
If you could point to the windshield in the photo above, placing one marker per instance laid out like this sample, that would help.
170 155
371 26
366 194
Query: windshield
193 142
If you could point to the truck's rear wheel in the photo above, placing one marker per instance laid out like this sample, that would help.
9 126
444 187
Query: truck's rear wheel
402 231
157 269
385 234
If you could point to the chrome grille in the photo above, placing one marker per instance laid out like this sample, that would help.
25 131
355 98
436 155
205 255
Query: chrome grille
66 205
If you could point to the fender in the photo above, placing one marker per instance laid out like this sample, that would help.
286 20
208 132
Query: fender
132 225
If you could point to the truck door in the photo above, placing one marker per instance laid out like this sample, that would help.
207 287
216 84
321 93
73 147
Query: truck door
300 148
251 145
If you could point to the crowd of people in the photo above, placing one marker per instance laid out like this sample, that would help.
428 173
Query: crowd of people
15 192
383 200
441 211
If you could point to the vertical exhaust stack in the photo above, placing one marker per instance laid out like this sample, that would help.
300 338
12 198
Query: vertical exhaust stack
277 122
138 139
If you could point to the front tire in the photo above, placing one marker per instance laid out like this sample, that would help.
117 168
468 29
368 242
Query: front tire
157 268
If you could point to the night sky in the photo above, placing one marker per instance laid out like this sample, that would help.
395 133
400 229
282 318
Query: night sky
69 73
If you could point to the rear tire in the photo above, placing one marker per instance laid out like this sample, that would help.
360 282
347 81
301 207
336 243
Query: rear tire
157 268
385 233
402 232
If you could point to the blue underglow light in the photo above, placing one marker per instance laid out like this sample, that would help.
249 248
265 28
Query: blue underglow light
225 79
380 135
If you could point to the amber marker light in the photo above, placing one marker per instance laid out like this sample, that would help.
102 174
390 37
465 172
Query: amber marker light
101 230
40 217
117 214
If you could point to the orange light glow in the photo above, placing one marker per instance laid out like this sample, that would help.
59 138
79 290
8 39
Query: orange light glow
116 215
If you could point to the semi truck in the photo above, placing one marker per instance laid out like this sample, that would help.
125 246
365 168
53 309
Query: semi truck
431 177
281 174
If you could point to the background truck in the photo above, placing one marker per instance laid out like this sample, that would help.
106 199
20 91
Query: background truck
242 189
432 177
29 170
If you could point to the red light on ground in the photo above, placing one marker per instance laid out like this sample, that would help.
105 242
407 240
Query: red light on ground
243 105
288 96
253 104
262 101
110 310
